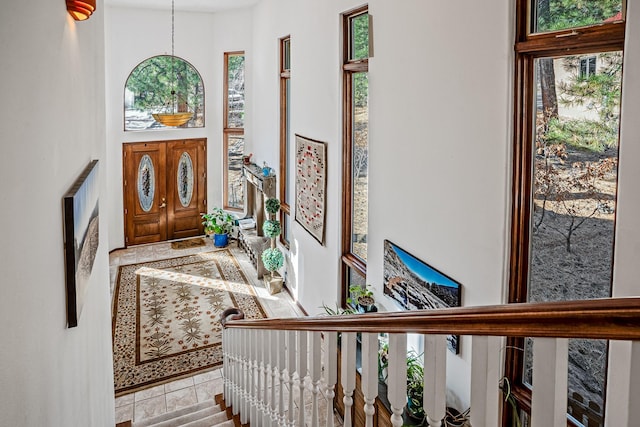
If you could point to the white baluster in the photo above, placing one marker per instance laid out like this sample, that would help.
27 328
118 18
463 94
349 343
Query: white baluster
282 364
255 354
485 378
397 374
253 401
315 372
369 383
549 395
225 365
236 369
244 375
273 361
302 372
291 368
348 373
330 371
435 379
266 412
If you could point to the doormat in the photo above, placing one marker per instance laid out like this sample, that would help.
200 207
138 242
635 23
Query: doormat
188 244
166 317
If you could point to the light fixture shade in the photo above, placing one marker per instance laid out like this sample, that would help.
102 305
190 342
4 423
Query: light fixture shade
172 119
81 10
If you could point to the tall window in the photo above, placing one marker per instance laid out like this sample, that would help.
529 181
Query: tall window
233 133
285 136
355 180
565 176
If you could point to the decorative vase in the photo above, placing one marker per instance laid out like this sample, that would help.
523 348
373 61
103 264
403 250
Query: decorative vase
220 240
273 283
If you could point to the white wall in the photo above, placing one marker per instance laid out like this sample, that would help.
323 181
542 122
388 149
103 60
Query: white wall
133 35
52 123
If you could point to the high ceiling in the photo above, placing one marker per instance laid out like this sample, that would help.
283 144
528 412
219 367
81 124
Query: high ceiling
188 5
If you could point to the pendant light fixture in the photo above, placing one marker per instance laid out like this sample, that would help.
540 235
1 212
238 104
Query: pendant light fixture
81 10
172 117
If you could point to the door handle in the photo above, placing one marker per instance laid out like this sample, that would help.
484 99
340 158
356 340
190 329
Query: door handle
163 204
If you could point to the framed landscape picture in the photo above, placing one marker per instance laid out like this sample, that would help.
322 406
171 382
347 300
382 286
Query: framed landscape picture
415 285
80 206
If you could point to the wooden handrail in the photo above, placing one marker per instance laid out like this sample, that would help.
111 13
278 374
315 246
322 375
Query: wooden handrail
611 318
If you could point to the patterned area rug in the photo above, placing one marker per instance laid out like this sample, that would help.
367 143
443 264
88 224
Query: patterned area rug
166 317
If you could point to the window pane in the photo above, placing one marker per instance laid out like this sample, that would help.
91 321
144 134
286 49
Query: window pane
286 227
354 278
359 37
554 15
149 90
574 198
286 50
235 188
360 165
287 152
235 91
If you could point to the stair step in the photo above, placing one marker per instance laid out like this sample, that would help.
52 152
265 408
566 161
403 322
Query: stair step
208 408
210 421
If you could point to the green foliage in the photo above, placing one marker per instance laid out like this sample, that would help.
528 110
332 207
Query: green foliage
555 15
272 206
360 34
153 80
356 292
218 221
587 134
415 384
272 228
337 311
273 259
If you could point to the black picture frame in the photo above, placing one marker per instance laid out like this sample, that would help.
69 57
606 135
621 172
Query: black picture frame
81 238
415 285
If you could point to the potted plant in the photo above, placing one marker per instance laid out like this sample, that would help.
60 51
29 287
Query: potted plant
219 224
272 258
415 386
362 296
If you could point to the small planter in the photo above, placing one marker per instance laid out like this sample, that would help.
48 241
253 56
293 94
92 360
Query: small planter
367 303
220 240
273 283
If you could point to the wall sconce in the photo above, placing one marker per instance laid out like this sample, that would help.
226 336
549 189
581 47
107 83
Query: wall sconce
81 10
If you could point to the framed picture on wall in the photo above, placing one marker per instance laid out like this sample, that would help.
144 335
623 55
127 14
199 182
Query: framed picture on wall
311 185
80 206
415 285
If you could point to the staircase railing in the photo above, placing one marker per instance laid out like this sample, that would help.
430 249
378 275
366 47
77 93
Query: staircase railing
265 358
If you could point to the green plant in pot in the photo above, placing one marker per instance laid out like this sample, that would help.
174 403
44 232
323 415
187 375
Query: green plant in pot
415 386
219 224
362 296
272 258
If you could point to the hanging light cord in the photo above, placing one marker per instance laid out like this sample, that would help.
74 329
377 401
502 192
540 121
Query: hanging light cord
173 58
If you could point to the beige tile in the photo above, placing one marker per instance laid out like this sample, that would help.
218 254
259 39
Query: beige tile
181 398
205 391
127 399
149 392
149 408
179 384
207 376
124 413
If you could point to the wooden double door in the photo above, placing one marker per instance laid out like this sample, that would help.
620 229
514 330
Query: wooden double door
165 190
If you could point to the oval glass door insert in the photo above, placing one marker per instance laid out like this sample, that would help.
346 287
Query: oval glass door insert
185 179
146 183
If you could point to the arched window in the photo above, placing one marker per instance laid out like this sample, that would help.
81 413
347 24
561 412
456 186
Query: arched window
162 83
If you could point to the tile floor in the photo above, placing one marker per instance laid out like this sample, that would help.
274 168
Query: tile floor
174 395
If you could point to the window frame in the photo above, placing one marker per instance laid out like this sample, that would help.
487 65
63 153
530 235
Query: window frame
349 261
604 37
285 134
228 132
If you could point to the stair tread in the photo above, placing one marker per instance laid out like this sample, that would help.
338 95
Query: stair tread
205 407
211 420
